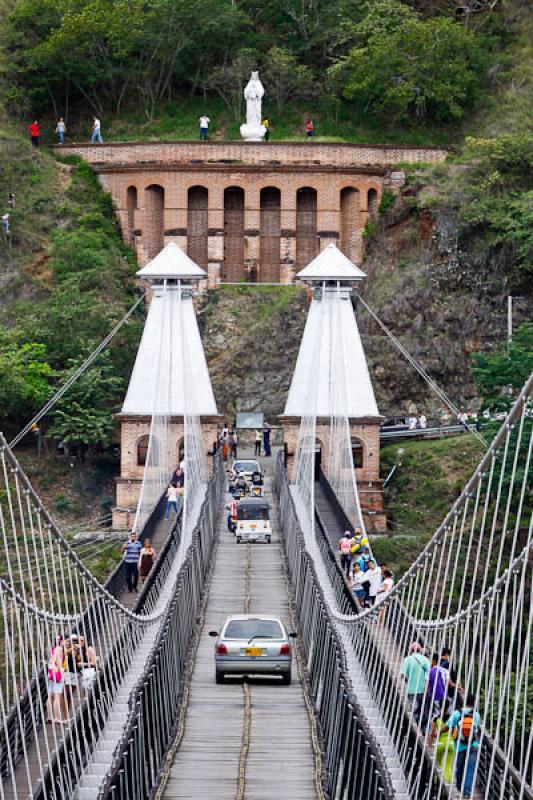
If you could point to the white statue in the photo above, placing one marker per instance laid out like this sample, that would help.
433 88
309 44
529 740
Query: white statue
253 130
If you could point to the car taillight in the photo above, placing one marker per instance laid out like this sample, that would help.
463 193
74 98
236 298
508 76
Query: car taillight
284 650
222 650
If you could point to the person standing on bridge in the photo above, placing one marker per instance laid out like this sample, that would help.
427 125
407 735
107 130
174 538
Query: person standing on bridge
374 579
132 551
267 430
172 500
56 683
465 727
345 545
415 669
146 559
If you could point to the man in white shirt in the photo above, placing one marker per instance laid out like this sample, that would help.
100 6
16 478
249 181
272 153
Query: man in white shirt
97 131
373 576
204 126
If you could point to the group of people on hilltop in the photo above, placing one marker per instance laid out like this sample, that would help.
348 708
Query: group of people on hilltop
448 719
204 121
34 130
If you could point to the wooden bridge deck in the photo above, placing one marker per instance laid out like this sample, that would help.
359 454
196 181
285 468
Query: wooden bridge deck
244 739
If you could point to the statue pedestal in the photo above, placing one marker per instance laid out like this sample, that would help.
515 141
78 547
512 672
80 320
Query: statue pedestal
253 133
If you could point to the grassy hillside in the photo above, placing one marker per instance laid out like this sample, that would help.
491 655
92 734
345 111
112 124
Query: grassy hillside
429 477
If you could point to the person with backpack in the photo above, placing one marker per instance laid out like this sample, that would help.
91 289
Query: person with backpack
346 557
465 727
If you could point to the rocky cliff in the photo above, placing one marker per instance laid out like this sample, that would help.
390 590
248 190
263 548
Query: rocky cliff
441 301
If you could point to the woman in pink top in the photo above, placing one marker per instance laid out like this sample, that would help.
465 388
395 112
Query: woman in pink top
345 545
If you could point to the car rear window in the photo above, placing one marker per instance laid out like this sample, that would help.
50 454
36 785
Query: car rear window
246 628
246 466
249 512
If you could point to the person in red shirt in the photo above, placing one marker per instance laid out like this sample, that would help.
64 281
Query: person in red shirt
309 128
34 132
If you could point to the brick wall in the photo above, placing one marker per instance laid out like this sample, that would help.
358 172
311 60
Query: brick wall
348 181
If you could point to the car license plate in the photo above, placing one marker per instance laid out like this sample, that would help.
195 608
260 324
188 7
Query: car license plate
253 651
253 527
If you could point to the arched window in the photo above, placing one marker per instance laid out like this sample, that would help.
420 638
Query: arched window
197 224
131 204
306 226
142 450
357 453
154 220
233 266
372 203
269 262
349 220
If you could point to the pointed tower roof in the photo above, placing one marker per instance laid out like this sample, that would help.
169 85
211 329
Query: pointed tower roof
172 263
331 342
170 373
330 265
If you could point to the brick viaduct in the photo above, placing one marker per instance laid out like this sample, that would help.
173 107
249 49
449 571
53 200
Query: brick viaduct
245 210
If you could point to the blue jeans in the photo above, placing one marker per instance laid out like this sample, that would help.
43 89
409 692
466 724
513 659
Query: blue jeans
171 504
61 135
470 765
97 136
203 134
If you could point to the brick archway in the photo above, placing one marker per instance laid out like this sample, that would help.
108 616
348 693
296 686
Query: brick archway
154 220
306 226
198 224
350 221
131 206
270 231
233 265
372 200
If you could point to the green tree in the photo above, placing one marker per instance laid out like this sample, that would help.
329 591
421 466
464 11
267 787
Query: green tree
25 375
85 414
413 68
228 80
286 78
500 375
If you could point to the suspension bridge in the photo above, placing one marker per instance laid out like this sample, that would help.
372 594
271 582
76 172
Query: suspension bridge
147 719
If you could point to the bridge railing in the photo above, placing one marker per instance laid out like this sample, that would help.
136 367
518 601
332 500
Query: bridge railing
353 761
497 778
156 699
19 724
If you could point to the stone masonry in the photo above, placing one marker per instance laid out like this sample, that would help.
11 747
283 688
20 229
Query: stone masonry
248 211
366 433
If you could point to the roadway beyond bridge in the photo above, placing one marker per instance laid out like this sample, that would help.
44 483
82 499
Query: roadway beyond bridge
244 739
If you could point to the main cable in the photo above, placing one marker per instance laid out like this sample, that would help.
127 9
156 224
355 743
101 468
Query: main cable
441 394
75 375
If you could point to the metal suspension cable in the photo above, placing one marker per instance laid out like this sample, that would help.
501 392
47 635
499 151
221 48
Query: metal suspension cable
441 394
74 377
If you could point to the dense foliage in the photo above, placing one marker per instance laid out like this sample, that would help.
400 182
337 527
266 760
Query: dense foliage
500 375
81 290
384 57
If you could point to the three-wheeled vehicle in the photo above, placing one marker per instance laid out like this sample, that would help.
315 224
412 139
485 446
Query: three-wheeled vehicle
253 520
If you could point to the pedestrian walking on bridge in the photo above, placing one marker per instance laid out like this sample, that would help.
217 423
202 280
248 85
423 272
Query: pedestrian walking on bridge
132 551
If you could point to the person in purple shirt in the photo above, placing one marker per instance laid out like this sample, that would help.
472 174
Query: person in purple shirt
436 692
